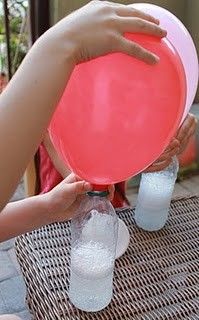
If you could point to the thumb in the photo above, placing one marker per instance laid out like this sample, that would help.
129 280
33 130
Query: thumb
79 187
134 49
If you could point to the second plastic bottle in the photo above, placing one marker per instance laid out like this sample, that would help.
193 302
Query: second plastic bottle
94 238
154 197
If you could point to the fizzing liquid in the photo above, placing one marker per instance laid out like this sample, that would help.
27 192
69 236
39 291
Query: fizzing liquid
151 219
153 201
91 276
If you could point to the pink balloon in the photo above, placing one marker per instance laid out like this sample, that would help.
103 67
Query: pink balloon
180 38
117 113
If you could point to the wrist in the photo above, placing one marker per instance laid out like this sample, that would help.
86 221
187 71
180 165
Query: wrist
49 205
45 209
60 42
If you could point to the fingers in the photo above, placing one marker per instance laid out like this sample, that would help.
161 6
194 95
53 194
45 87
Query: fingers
170 151
168 155
71 178
188 125
76 185
165 159
172 145
129 11
183 146
138 25
193 126
191 132
128 19
111 190
186 131
158 166
135 50
79 187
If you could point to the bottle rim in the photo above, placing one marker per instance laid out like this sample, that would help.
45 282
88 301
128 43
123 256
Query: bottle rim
98 193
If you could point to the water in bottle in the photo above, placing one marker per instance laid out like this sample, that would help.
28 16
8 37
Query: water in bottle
94 238
154 197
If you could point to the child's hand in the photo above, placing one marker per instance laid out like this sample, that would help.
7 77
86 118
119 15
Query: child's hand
98 28
186 131
63 200
111 190
177 145
165 159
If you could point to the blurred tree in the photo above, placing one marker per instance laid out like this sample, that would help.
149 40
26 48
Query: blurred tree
18 33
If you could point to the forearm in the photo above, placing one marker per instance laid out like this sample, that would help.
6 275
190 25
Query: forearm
27 105
23 216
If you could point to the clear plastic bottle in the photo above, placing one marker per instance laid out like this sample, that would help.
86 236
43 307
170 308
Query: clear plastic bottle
154 197
94 233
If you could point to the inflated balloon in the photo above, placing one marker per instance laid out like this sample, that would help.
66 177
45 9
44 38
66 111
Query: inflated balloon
117 113
180 38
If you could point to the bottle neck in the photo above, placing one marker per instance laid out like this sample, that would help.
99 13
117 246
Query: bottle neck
101 194
99 191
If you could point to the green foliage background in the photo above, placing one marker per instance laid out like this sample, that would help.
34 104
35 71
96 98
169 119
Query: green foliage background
18 33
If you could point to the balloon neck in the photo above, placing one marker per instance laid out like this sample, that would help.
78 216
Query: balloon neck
102 188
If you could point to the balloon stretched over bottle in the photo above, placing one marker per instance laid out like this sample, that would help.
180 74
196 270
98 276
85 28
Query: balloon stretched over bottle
117 114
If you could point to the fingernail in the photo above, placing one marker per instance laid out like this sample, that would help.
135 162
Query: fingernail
174 140
156 59
164 32
157 21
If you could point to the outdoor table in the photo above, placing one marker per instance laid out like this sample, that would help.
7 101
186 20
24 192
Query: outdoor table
157 278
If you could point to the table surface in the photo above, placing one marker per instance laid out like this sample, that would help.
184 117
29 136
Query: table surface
157 278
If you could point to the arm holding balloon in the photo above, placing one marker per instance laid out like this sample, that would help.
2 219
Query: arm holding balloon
177 145
28 102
